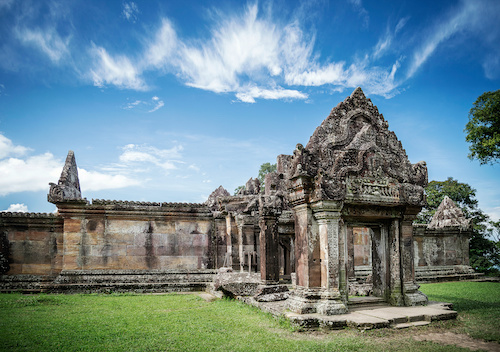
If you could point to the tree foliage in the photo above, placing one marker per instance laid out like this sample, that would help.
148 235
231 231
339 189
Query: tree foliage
264 170
484 248
483 128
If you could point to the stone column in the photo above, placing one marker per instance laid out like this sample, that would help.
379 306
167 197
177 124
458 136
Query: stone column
411 295
220 240
327 214
318 259
232 243
269 249
394 293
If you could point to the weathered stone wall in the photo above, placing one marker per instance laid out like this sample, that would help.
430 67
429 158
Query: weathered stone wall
439 247
146 236
33 243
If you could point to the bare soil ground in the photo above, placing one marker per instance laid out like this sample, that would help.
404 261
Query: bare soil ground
460 340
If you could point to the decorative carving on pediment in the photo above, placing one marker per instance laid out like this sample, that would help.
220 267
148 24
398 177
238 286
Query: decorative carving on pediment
353 153
382 187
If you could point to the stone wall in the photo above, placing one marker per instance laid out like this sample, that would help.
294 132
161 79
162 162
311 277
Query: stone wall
142 236
33 243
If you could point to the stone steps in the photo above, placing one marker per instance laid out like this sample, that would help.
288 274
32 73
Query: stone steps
365 302
382 317
105 281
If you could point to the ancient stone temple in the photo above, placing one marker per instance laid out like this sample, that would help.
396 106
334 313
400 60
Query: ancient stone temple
442 246
353 176
335 220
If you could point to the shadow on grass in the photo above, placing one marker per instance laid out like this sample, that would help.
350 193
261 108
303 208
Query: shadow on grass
463 305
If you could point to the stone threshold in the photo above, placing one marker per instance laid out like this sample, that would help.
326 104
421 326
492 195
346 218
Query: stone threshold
365 319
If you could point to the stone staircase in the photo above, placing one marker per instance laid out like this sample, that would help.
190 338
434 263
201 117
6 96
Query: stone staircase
365 302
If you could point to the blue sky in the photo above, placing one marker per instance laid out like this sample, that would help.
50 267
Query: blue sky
165 101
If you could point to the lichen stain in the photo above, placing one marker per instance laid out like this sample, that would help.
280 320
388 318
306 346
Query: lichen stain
148 245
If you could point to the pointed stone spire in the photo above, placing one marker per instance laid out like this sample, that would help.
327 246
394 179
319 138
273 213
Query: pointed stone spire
218 193
68 187
448 214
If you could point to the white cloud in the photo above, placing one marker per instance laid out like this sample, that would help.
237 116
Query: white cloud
31 174
358 6
248 54
96 181
145 105
248 95
34 173
17 208
163 48
47 40
166 159
118 71
159 104
130 11
7 148
467 16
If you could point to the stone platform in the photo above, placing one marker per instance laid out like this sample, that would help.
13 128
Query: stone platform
380 316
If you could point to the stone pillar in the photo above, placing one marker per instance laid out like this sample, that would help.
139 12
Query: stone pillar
328 217
411 295
246 240
220 241
394 293
318 259
232 243
269 249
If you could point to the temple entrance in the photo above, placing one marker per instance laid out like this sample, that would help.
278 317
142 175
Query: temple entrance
367 260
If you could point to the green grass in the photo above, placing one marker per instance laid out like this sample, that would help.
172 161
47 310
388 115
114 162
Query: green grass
477 303
178 322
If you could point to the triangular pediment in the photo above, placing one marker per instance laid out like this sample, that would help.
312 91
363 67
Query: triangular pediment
353 152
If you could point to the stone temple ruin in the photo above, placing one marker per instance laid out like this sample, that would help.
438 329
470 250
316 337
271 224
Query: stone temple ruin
334 221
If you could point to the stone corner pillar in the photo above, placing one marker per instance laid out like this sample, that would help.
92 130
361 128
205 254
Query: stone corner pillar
409 288
269 248
317 228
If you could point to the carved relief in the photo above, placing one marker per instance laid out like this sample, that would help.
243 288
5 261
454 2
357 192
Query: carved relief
353 154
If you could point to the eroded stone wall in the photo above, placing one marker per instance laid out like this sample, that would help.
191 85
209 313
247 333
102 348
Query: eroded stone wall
113 235
33 243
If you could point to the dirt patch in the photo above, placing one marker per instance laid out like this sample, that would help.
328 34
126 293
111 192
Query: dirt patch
460 340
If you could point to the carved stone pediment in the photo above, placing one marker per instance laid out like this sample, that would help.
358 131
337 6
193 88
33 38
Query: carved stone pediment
353 155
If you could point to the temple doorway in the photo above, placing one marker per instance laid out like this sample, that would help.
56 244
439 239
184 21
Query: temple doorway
367 260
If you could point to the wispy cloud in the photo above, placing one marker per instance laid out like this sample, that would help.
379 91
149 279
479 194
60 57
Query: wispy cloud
255 57
470 16
159 104
138 155
358 6
130 11
255 53
47 40
152 105
118 71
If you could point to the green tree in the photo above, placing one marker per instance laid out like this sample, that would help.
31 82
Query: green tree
237 189
484 249
483 128
264 170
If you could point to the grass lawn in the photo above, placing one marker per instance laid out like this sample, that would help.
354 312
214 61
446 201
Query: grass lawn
477 303
179 322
